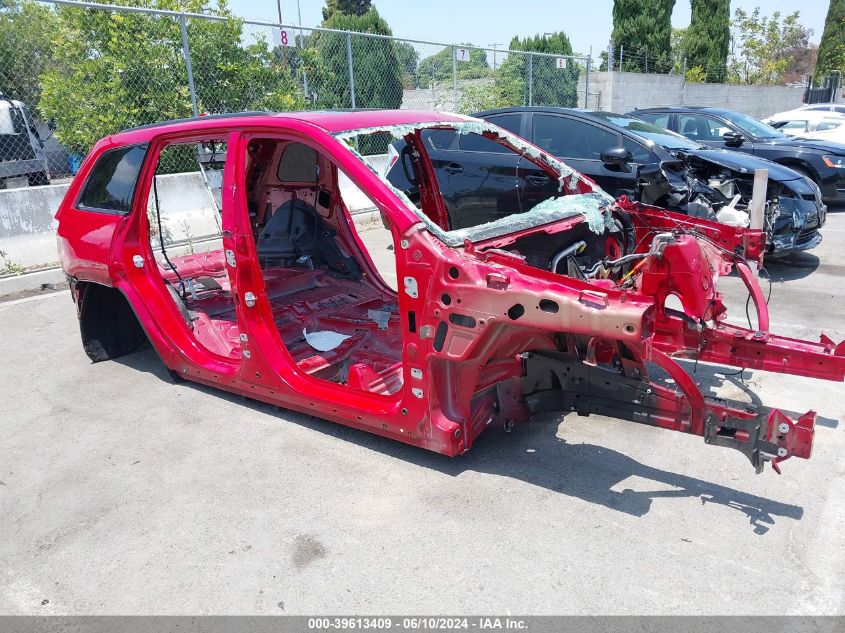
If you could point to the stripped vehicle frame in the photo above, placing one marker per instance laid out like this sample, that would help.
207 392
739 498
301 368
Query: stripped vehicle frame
483 330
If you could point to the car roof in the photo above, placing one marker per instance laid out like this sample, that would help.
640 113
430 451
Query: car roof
597 116
682 108
331 121
579 112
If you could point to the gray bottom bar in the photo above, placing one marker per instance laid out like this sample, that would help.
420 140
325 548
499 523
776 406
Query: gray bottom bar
533 624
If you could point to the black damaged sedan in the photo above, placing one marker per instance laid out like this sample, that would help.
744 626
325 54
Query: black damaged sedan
820 160
629 156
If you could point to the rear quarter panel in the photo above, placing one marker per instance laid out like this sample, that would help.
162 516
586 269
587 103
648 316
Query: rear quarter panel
84 238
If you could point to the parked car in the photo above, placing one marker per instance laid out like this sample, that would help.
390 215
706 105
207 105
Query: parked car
822 161
810 124
837 107
21 148
625 156
490 322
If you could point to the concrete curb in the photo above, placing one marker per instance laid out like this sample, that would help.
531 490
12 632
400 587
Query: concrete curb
31 281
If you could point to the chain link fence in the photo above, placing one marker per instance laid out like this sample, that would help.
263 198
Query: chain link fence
73 72
620 59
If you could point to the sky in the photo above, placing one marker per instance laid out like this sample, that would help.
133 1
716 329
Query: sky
488 22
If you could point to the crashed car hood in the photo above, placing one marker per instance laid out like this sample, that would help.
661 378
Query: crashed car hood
791 142
745 163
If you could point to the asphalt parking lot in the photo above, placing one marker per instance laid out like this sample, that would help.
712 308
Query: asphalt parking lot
122 493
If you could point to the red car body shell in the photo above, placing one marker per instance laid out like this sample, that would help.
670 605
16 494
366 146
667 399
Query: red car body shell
448 386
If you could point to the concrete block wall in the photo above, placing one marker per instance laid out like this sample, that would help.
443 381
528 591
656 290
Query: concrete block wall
757 101
623 92
637 90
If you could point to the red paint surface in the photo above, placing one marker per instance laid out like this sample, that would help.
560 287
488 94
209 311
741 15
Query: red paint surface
398 384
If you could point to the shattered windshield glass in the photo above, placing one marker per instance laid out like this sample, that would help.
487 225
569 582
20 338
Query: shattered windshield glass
490 181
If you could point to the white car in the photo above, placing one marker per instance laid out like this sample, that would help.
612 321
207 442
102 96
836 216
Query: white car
838 108
807 123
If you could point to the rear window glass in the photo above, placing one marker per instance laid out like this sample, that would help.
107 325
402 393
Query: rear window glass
111 184
298 164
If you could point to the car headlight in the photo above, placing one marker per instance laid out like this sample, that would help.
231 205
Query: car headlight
837 162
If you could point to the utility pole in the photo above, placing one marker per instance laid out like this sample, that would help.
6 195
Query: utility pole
494 45
298 11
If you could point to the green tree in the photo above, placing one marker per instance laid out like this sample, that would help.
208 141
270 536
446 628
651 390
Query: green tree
117 70
438 67
644 29
551 86
707 40
408 59
763 47
347 7
26 49
832 47
376 69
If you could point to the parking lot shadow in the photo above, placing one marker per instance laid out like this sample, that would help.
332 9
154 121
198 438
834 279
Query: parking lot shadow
789 267
533 453
606 477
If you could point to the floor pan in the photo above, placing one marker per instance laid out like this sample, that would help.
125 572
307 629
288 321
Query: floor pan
305 302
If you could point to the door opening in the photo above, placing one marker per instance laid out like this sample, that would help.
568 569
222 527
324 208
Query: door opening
185 219
330 280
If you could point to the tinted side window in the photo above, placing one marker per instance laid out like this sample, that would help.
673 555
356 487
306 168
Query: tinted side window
839 109
639 153
654 117
599 140
571 138
473 142
17 120
511 122
438 138
111 183
701 128
801 126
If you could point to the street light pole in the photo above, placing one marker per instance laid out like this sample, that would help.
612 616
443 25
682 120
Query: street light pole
494 45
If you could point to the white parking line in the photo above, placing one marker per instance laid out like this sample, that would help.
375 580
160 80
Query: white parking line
14 302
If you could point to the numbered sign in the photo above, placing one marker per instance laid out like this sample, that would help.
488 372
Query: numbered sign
286 38
560 62
462 54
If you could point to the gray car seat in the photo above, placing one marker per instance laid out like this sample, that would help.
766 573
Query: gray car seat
297 236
